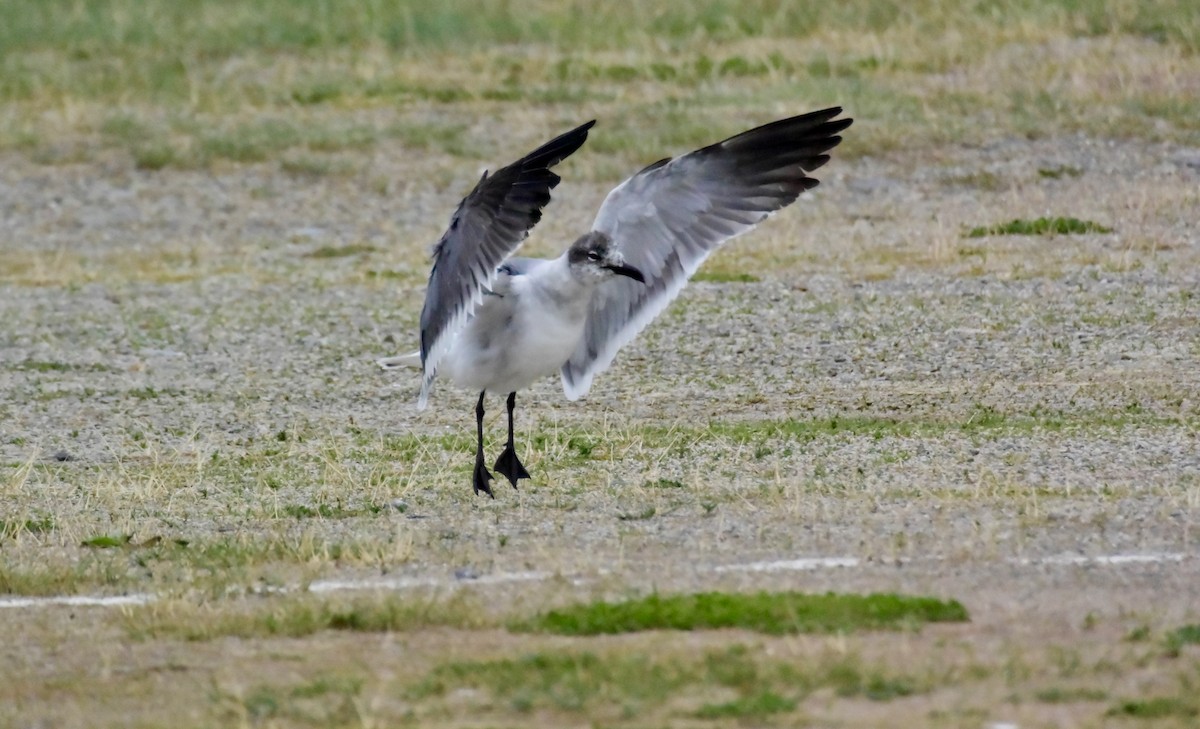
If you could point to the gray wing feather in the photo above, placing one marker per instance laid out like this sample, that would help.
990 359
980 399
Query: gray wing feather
668 218
489 224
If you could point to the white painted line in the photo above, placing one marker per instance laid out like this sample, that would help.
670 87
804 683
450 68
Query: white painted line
77 600
1107 560
803 563
408 583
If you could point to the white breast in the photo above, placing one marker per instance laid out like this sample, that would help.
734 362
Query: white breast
521 336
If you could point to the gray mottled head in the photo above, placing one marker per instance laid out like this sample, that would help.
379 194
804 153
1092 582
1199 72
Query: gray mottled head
594 256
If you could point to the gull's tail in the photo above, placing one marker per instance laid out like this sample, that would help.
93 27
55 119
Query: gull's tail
412 359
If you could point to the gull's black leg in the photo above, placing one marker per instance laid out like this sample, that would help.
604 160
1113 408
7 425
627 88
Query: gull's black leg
508 463
482 475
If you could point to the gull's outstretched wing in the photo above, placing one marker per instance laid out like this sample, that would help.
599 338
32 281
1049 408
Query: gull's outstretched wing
669 217
489 224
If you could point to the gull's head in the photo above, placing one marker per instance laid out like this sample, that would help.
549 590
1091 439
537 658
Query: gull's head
594 258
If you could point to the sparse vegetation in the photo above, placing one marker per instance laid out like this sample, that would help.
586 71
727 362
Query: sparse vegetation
756 706
107 541
1068 695
724 277
300 615
1161 707
1040 226
600 684
1055 173
218 214
1180 637
341 251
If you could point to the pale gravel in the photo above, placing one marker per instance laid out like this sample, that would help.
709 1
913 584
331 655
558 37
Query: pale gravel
277 339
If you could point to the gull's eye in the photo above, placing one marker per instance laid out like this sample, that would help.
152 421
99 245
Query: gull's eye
593 256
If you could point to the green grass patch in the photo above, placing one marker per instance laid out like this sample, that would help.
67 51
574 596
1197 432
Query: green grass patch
1178 638
314 167
354 249
564 681
765 612
448 137
850 681
756 706
1069 695
10 528
154 155
1040 226
1156 708
107 541
33 365
725 277
41 366
1055 173
981 180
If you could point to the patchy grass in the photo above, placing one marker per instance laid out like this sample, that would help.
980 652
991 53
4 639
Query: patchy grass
11 529
644 514
849 682
107 541
315 167
226 84
1180 637
354 249
1160 707
31 365
559 680
755 706
637 684
983 419
301 615
1040 226
771 613
944 405
53 577
329 700
718 276
1058 695
1058 172
982 180
212 566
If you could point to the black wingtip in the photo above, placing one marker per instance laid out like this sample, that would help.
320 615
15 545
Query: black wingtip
557 149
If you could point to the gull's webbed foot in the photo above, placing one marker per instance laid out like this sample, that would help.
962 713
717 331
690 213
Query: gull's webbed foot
481 478
510 466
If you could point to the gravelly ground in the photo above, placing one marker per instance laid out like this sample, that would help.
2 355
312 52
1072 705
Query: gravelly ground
176 317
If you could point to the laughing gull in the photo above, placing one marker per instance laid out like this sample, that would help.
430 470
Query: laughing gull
496 322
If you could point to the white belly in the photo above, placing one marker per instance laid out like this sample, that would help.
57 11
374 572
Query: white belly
511 342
